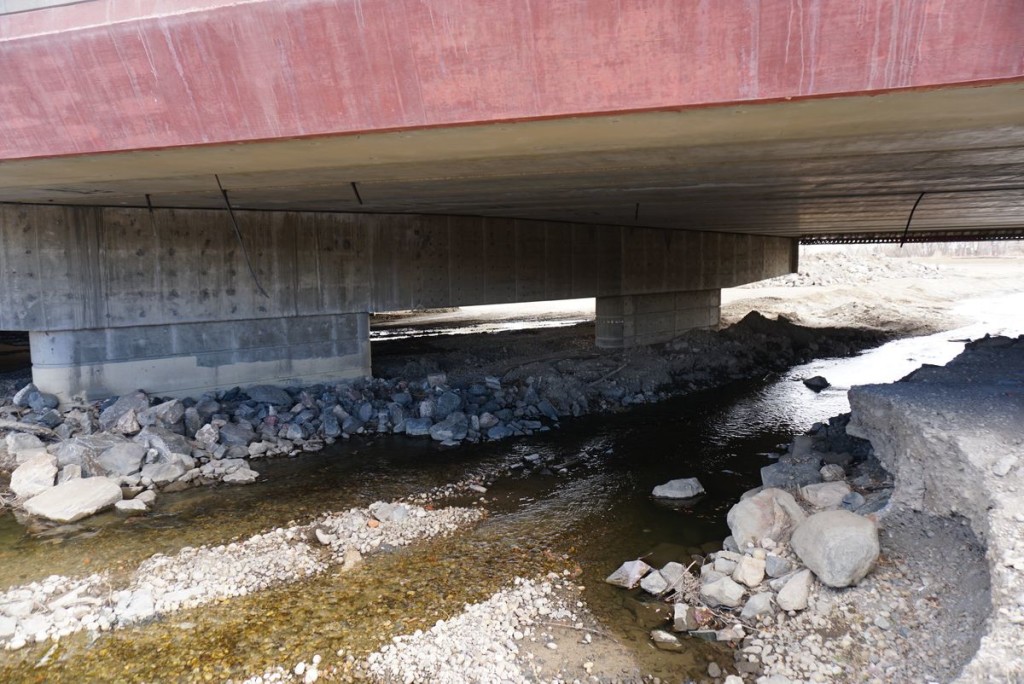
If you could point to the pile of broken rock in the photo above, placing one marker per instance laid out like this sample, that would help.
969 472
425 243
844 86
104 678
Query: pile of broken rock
769 565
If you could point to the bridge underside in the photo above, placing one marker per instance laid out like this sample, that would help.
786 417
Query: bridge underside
396 155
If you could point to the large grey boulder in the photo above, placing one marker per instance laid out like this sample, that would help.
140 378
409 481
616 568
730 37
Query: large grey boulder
771 513
418 427
758 605
121 459
136 401
21 397
75 499
241 476
840 547
685 488
267 394
34 476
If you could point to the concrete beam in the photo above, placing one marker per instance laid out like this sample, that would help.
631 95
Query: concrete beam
163 300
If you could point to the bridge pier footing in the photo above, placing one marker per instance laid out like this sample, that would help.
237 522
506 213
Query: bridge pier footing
188 359
635 320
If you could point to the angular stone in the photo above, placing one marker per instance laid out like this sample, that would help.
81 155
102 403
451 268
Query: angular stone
817 383
840 547
673 573
685 618
749 571
666 641
418 427
131 507
777 566
446 404
629 574
75 499
21 397
34 476
208 436
69 472
163 473
235 434
267 394
241 476
722 592
832 472
41 401
499 432
778 475
654 583
772 513
164 441
166 415
758 605
137 401
726 566
825 494
796 591
23 446
454 427
685 488
121 459
127 424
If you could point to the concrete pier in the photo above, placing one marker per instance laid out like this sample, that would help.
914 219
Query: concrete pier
636 320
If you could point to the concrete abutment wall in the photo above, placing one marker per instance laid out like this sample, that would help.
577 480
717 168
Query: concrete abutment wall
119 298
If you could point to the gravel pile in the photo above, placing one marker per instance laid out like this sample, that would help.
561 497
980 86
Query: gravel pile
482 644
60 606
837 268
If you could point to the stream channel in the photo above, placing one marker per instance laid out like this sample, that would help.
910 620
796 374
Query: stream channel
597 516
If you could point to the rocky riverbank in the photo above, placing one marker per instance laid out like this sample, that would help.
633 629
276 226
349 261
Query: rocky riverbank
71 463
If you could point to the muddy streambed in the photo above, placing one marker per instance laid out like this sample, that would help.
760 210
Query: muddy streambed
590 519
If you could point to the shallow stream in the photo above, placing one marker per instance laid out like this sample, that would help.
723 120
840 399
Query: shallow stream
597 515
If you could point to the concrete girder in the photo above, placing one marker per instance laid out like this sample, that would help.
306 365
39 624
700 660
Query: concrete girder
117 298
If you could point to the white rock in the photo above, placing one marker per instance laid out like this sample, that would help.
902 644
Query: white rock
34 476
23 446
770 513
832 472
163 473
241 476
685 488
131 507
673 573
825 494
666 641
629 574
794 594
147 497
75 499
840 547
749 571
8 626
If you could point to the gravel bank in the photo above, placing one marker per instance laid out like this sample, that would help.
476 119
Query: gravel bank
60 606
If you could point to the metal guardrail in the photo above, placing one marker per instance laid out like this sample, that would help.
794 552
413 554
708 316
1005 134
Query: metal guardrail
19 6
915 236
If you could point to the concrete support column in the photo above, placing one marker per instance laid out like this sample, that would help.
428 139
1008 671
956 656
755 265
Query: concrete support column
187 359
634 320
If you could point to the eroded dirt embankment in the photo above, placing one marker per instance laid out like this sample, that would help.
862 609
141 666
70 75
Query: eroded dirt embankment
953 437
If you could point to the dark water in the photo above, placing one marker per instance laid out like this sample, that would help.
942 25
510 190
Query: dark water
597 515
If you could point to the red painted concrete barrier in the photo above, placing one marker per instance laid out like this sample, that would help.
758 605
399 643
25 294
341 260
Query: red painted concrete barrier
114 75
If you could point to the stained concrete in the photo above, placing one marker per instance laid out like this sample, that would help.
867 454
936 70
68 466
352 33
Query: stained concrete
121 299
635 320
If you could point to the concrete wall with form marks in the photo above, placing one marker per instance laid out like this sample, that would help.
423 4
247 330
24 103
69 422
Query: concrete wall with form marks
116 297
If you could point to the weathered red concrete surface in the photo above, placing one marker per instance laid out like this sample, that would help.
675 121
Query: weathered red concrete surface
115 75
